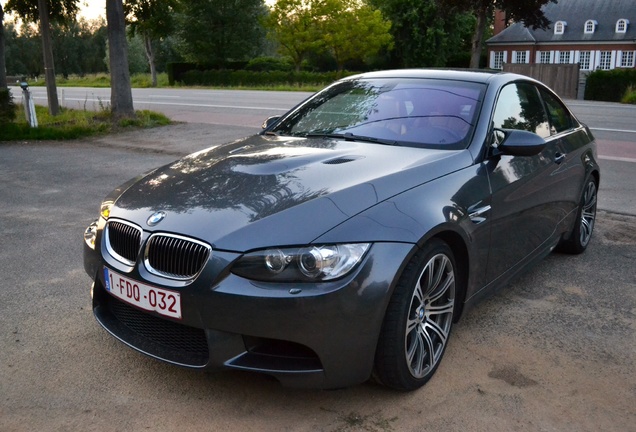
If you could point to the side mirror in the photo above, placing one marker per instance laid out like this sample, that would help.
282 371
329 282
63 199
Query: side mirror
517 142
269 121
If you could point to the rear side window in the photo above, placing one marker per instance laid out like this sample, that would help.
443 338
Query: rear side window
519 107
560 118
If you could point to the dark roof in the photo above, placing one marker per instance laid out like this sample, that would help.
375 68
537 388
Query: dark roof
576 13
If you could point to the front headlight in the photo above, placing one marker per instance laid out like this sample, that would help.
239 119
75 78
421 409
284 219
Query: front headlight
90 234
305 264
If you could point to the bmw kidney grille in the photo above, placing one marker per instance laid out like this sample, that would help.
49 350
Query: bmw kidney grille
175 257
166 255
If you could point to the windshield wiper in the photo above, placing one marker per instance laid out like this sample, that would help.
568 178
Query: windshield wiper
348 136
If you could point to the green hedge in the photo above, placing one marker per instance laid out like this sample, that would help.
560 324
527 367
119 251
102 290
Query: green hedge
176 70
609 85
268 64
237 78
7 107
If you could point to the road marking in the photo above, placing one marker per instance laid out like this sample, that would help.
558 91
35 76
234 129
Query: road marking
213 106
176 104
616 158
613 130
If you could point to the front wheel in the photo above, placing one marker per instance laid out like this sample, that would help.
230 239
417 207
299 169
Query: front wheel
584 224
418 320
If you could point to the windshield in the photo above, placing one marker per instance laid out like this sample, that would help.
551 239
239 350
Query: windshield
415 112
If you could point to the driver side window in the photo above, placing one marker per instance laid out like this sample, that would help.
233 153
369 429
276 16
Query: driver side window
519 107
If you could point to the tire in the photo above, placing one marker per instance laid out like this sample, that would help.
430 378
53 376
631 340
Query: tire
418 320
581 233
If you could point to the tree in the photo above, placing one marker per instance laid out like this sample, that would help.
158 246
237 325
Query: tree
424 33
79 47
218 31
120 91
3 67
43 12
294 25
152 20
23 51
526 11
347 29
352 30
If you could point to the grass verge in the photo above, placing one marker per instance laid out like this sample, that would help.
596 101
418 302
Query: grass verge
73 124
630 95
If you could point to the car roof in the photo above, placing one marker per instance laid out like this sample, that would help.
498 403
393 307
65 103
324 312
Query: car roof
474 75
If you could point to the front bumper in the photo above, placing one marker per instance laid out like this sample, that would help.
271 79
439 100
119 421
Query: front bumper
324 336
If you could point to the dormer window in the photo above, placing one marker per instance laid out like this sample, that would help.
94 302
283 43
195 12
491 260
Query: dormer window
621 25
590 26
559 27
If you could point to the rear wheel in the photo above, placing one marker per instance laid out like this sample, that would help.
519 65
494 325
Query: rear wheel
584 225
419 318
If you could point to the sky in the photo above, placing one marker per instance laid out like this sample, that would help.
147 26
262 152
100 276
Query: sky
92 9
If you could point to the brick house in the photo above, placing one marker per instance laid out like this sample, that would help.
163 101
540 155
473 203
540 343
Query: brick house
597 34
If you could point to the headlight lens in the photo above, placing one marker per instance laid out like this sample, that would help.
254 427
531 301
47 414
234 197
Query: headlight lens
305 264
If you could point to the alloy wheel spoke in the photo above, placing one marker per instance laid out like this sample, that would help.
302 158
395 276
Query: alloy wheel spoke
418 294
411 324
442 289
442 309
416 352
439 265
437 270
428 352
433 327
590 197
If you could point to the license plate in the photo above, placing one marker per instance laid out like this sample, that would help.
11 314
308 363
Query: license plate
143 296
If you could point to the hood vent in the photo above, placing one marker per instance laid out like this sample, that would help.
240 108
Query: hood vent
341 160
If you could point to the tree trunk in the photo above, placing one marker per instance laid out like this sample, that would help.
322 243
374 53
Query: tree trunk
3 66
47 52
478 36
150 55
120 92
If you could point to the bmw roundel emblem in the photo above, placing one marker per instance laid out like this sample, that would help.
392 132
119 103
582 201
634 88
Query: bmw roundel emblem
155 218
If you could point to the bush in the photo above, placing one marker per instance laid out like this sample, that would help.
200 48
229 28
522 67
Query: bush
239 78
177 70
266 64
7 107
630 95
609 85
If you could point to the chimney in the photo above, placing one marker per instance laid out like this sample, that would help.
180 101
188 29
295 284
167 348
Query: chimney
500 22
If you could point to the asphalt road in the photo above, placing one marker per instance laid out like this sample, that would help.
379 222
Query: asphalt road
554 351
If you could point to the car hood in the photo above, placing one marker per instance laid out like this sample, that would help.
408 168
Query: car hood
266 191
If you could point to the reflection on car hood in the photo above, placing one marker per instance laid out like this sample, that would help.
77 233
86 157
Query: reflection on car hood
265 191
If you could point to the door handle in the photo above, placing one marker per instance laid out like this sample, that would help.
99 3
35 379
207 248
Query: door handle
559 158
